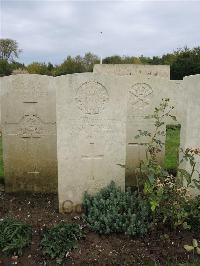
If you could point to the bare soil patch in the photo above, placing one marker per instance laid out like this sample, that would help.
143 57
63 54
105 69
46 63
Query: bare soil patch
41 210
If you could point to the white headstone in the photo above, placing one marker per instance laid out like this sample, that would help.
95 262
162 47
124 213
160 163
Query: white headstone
190 135
91 134
162 71
29 133
144 94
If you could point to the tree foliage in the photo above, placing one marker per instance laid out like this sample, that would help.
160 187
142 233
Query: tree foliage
5 68
39 68
183 62
187 62
9 49
77 64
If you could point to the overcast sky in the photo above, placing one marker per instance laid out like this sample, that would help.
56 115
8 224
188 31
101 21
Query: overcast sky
49 30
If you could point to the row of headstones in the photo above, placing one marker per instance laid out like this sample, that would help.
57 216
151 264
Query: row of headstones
76 133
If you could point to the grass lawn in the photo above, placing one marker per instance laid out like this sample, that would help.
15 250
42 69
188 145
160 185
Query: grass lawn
172 147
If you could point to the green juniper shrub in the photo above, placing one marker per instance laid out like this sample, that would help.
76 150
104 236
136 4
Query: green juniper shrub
60 239
14 236
115 211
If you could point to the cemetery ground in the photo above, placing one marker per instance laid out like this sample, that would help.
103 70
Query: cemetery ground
41 211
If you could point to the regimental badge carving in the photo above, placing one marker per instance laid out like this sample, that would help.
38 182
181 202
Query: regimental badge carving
92 97
139 96
30 127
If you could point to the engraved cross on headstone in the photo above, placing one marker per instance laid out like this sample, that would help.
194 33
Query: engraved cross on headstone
34 172
92 156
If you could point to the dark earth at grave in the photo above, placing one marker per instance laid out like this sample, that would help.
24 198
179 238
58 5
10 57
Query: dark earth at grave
41 211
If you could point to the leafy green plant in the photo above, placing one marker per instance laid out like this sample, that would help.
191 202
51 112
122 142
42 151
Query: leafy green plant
194 247
168 200
60 239
165 193
150 168
190 155
115 211
193 209
154 142
14 236
161 189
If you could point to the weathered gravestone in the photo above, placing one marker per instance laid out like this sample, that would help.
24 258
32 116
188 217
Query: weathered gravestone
162 71
29 133
144 94
190 133
91 134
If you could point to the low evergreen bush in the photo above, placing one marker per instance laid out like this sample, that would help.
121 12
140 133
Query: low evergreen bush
14 236
115 211
60 239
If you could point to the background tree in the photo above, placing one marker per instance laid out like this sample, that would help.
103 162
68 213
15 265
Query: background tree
89 60
183 62
69 66
187 62
9 49
39 68
115 59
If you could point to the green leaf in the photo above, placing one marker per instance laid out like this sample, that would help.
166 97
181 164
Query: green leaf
197 183
198 250
184 173
188 248
195 243
154 205
148 188
151 178
186 226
